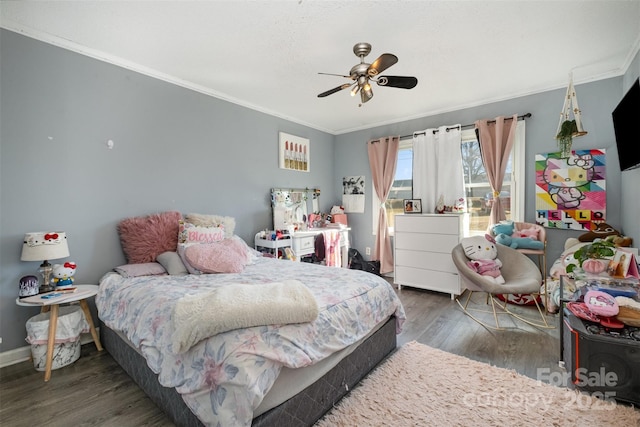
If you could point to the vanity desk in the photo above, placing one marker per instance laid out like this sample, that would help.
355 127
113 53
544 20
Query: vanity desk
303 243
293 210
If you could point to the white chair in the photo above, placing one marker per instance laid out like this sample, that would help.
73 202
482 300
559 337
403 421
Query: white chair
521 276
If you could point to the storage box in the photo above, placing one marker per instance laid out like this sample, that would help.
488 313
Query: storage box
71 323
339 219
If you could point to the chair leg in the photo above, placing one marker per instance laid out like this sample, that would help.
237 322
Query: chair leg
468 311
542 265
544 324
495 314
501 307
544 279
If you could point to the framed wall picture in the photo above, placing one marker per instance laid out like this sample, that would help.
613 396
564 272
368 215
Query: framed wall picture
571 192
294 153
412 206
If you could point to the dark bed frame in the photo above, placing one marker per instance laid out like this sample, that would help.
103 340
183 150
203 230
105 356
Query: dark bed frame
302 409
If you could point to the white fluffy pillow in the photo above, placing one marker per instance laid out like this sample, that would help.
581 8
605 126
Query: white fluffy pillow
202 220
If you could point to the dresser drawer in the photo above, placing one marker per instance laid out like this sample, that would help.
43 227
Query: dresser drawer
425 260
426 242
427 279
439 224
304 245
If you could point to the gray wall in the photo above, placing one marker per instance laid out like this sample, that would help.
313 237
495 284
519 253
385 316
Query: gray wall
175 149
596 99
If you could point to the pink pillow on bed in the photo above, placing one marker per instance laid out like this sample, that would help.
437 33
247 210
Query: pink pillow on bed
190 233
226 256
144 269
143 238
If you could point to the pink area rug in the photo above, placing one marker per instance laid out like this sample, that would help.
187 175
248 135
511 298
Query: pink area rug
422 386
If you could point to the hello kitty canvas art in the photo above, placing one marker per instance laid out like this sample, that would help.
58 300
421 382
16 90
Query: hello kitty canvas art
571 191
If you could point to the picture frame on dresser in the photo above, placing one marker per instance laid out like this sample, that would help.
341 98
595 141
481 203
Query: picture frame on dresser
412 206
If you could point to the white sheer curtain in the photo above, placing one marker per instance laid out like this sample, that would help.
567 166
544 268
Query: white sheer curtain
437 167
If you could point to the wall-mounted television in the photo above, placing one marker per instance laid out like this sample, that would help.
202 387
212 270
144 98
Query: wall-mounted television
626 124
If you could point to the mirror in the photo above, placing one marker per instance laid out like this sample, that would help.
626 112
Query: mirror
292 206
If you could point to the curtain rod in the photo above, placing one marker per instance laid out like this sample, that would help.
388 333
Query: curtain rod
522 117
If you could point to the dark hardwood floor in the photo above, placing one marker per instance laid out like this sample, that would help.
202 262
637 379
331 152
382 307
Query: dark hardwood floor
95 391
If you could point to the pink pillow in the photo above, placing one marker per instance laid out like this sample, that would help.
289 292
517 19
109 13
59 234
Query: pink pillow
601 303
143 238
190 233
527 232
226 256
145 269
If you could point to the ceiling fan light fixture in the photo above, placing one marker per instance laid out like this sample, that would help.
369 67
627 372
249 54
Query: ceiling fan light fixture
366 93
367 90
355 90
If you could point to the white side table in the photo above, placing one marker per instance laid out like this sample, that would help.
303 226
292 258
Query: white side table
81 294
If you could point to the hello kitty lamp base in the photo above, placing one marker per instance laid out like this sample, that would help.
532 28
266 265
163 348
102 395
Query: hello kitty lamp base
44 246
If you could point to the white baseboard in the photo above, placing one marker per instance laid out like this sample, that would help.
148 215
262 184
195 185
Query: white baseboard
22 354
14 356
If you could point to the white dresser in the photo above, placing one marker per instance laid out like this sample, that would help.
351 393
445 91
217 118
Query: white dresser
423 245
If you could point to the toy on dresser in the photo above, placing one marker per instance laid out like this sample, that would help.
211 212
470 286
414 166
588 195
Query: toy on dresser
483 256
63 275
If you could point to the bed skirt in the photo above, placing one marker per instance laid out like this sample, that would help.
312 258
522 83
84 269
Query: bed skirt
305 408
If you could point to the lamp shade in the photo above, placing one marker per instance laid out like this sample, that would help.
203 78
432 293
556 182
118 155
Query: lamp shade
41 246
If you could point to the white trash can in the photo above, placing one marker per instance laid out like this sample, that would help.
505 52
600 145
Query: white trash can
66 350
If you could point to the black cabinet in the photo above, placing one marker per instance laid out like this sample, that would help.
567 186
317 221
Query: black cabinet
605 363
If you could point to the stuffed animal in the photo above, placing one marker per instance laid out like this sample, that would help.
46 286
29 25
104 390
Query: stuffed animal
601 231
620 241
503 227
519 242
440 208
483 255
527 232
560 265
63 275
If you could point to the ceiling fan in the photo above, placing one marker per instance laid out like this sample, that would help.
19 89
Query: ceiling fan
362 74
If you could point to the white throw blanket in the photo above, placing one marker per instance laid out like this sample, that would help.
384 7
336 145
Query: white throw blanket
199 316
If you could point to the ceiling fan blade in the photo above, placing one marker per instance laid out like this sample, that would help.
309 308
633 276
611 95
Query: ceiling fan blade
334 90
338 75
385 61
397 81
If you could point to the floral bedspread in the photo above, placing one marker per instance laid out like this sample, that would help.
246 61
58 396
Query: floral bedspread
225 377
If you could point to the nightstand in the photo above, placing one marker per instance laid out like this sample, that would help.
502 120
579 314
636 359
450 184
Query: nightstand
52 305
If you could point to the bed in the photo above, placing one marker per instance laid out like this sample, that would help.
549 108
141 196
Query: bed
287 373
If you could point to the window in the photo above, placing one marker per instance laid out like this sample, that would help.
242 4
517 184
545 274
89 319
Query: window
477 188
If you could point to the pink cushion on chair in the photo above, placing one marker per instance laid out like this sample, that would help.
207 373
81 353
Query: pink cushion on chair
534 231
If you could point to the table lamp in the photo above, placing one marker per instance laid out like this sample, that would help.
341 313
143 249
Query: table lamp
44 246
